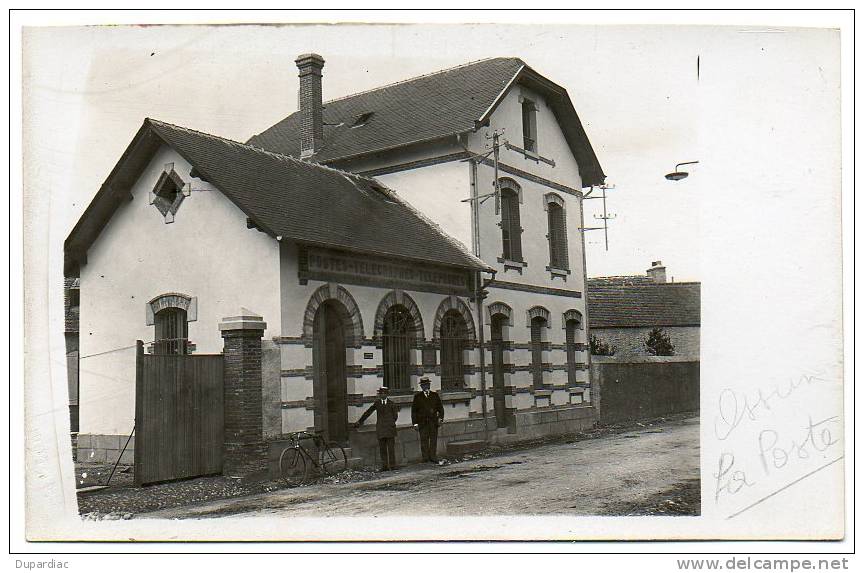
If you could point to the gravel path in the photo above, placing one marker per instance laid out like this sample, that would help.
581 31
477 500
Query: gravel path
647 469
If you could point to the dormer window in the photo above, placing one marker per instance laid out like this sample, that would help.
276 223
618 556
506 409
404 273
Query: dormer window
529 125
362 119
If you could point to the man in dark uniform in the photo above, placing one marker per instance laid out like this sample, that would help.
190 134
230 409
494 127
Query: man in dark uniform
385 427
427 413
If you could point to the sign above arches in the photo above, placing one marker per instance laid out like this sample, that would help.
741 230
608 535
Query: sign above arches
371 270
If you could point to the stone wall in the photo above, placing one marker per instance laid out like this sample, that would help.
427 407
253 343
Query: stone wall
631 341
101 448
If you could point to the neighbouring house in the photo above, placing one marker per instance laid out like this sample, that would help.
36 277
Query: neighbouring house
365 241
625 309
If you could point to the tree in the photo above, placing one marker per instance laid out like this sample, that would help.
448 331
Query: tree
600 348
657 343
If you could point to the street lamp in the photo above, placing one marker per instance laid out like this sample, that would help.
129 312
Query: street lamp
679 175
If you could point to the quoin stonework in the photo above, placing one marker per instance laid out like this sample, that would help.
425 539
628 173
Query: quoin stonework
429 228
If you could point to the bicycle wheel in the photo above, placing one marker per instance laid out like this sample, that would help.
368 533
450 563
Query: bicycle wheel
332 459
292 466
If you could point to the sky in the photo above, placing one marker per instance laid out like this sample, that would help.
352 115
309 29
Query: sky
645 102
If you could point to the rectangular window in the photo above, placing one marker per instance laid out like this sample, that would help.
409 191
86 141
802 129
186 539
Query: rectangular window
529 125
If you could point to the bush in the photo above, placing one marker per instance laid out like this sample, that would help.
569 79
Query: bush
600 348
657 343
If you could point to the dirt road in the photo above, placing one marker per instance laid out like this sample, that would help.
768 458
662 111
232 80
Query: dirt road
613 475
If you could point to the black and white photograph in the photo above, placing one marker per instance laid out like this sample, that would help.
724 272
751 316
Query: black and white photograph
416 281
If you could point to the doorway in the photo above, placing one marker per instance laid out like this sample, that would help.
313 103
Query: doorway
497 343
328 358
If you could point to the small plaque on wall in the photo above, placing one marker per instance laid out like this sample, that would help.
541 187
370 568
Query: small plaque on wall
368 356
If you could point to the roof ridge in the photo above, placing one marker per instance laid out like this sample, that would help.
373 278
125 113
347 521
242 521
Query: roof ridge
260 150
421 76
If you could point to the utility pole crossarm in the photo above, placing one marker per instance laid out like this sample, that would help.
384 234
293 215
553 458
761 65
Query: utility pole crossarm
605 217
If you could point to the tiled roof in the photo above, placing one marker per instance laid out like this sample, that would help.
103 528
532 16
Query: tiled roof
617 303
426 108
625 280
298 200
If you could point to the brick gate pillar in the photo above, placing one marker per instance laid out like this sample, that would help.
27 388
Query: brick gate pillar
244 450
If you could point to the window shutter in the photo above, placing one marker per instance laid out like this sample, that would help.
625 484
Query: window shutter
515 229
506 200
558 256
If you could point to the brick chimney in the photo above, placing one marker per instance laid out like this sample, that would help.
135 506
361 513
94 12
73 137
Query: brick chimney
310 103
657 272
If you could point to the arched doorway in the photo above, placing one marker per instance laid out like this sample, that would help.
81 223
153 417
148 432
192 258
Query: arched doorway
572 328
499 321
328 360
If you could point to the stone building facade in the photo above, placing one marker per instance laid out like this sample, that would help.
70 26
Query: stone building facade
453 263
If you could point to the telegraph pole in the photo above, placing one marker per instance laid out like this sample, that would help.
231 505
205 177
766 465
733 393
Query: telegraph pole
479 287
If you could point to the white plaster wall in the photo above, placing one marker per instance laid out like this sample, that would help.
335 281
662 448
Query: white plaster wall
206 253
551 143
437 191
535 244
534 217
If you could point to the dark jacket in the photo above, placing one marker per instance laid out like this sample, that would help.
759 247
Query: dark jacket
385 427
426 410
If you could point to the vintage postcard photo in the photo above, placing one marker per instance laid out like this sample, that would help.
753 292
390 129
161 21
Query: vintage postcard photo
433 281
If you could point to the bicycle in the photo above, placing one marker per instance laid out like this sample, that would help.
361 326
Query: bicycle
297 463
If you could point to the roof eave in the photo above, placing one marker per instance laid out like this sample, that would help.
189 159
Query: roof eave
92 222
365 154
75 246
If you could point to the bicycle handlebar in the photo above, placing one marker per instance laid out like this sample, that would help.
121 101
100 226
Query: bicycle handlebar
304 434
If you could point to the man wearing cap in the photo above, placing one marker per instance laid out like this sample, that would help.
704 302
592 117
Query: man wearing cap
427 413
385 427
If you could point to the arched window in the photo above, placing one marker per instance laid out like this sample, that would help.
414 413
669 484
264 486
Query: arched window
397 338
538 324
171 331
454 333
572 326
511 228
557 237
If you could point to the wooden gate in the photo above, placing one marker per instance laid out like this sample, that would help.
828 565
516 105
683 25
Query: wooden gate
179 419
